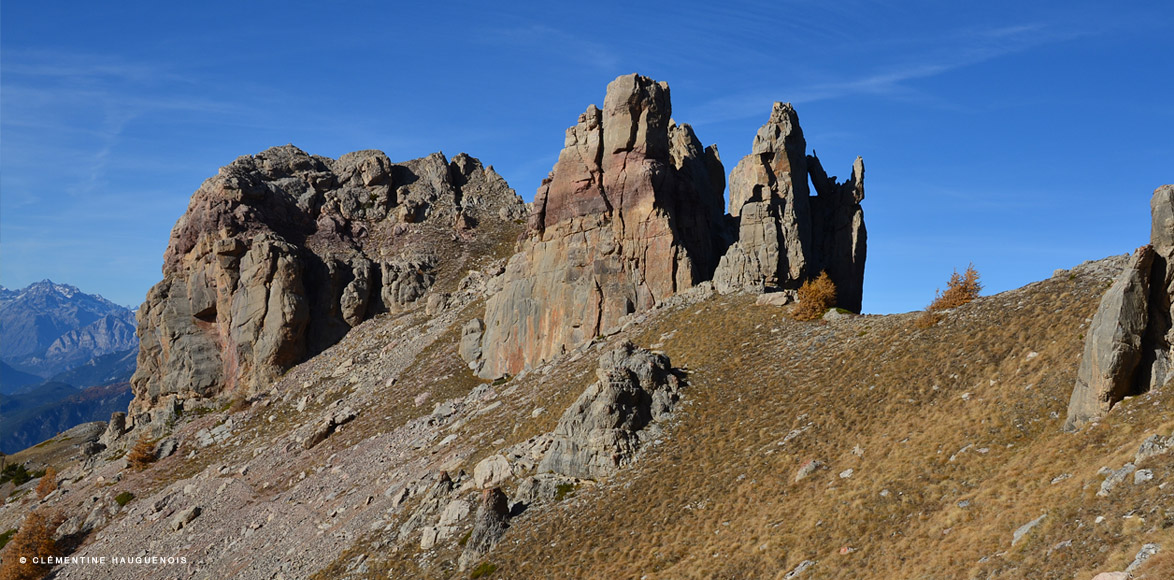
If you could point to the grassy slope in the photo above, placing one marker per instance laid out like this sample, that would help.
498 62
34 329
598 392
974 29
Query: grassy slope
720 500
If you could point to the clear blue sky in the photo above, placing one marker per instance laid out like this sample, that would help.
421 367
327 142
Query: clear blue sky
1020 136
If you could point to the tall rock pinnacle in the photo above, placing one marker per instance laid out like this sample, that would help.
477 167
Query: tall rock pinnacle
630 215
785 235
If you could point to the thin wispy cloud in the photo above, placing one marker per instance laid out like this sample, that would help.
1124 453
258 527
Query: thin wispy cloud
560 43
895 81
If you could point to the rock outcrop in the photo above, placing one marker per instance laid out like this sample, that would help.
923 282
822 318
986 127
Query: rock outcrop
630 215
1127 348
785 235
281 253
489 525
605 427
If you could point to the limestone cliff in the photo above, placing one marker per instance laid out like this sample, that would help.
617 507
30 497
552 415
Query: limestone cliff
281 253
630 215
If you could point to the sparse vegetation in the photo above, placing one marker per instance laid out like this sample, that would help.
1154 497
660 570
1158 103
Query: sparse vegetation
48 483
17 473
927 320
34 540
563 490
123 498
961 288
6 536
815 298
237 405
142 455
483 570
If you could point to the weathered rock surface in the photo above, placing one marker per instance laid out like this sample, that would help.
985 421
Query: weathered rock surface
785 235
630 215
490 523
281 253
605 427
1128 347
1112 350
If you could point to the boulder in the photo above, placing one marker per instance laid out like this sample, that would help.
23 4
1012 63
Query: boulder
1127 350
185 517
1112 348
282 253
491 471
606 426
630 215
115 429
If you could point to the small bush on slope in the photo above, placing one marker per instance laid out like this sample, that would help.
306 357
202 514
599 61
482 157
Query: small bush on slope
48 483
815 297
960 290
33 540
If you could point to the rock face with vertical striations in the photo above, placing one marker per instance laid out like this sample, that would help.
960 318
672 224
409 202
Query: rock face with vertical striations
630 215
1127 349
785 235
281 253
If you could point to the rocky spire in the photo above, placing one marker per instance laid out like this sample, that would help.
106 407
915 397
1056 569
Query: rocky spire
786 235
630 215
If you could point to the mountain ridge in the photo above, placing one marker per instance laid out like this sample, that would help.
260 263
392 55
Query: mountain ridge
665 417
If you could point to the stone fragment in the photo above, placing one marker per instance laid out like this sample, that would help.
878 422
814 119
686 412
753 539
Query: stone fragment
185 517
326 427
1153 446
1115 477
1025 529
1145 553
115 429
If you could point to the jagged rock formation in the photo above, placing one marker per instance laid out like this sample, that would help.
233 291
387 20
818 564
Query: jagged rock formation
630 215
785 235
1127 349
608 423
281 253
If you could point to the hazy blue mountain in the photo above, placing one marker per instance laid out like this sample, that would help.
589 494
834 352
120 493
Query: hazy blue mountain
49 328
12 380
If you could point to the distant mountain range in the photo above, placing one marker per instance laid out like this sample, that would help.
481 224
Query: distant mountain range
50 328
65 359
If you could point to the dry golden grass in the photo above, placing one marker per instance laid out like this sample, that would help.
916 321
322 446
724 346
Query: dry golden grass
33 540
1160 566
953 435
962 288
48 483
815 298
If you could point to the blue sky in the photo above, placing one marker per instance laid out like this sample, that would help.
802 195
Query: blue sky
1020 136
